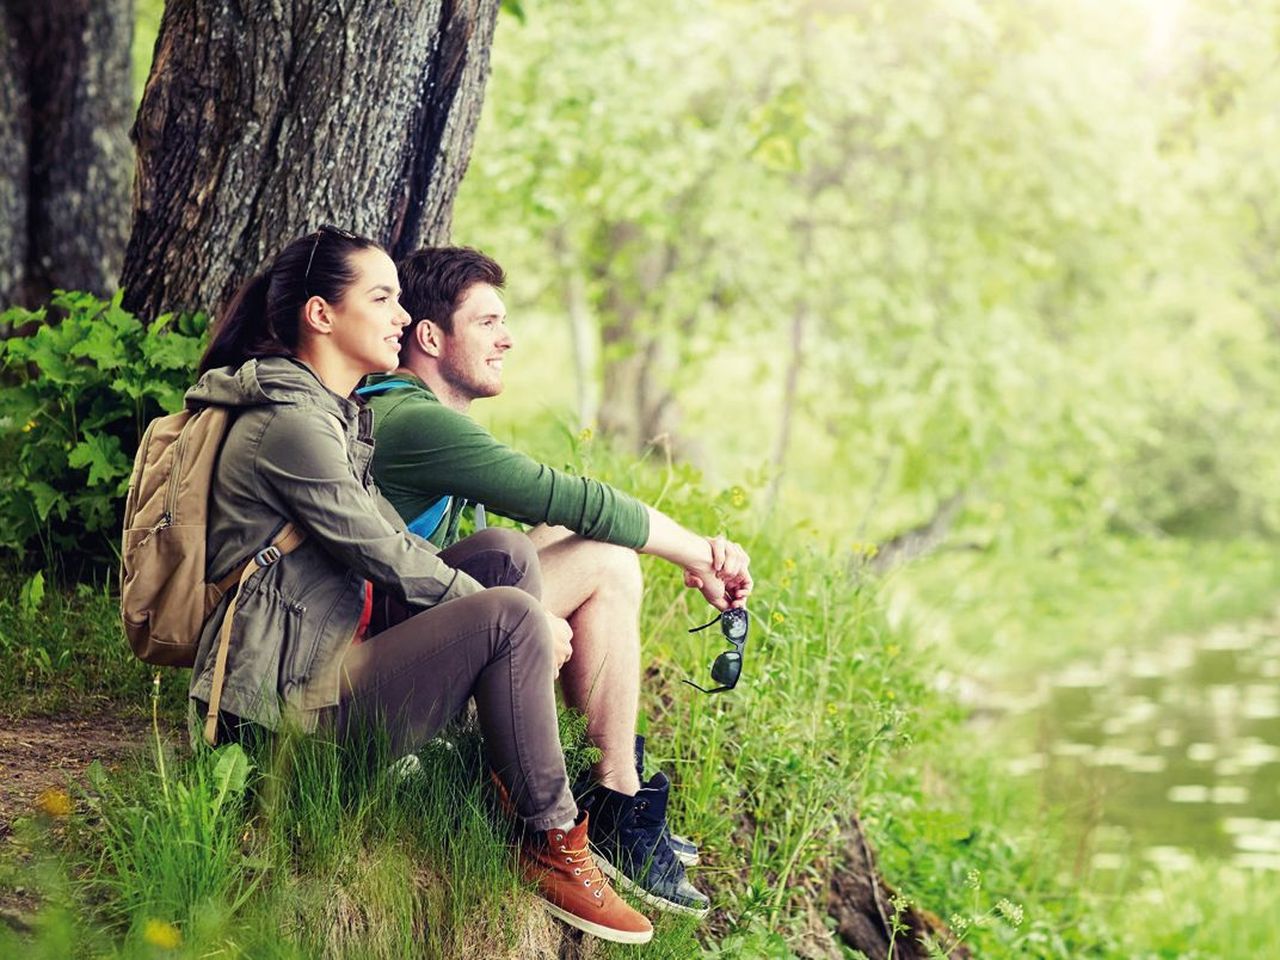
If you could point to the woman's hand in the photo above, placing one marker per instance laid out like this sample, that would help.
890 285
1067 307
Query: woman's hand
561 639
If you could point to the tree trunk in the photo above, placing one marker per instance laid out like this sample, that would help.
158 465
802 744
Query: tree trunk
583 333
64 112
791 390
15 138
262 120
637 407
800 314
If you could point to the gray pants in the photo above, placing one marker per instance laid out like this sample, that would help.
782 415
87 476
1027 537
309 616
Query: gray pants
416 673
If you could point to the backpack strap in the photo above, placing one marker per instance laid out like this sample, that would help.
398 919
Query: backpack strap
425 523
373 389
286 541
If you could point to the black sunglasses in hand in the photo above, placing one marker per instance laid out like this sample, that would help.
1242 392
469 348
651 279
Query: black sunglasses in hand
728 666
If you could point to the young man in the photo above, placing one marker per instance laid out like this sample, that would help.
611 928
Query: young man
431 458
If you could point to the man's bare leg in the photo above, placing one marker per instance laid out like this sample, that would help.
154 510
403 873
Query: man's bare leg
597 587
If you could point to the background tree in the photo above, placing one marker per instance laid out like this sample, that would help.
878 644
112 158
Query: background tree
65 159
260 121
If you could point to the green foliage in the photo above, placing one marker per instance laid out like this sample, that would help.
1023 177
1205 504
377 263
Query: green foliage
63 649
146 26
1029 255
75 396
836 714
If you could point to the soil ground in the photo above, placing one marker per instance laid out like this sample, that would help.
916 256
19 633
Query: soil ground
39 753
42 753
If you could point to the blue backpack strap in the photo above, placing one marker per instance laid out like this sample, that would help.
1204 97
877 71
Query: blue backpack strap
376 388
425 523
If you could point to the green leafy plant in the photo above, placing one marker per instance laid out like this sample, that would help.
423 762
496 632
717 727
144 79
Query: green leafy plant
75 397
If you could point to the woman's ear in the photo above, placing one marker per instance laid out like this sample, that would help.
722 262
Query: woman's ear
315 316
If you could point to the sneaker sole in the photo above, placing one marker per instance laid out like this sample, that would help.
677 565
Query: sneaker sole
623 882
596 930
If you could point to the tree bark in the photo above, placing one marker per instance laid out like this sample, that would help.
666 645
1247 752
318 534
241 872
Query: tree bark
64 113
262 120
15 139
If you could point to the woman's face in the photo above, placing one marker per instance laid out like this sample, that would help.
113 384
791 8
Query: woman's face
368 320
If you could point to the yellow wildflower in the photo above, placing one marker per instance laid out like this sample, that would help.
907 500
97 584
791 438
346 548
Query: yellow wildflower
778 618
788 564
784 583
891 650
831 709
585 435
54 802
162 934
890 695
28 426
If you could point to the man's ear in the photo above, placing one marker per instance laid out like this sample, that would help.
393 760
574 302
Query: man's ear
315 316
428 337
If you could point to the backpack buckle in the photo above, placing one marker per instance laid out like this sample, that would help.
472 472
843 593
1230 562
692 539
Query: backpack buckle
267 555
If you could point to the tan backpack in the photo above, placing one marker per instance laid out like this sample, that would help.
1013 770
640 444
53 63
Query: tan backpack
164 598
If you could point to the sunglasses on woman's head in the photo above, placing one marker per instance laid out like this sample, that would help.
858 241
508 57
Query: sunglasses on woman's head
727 667
320 232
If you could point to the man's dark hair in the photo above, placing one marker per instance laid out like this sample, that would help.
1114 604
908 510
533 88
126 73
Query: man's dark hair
434 280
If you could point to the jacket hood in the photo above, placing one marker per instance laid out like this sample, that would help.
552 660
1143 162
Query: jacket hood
267 380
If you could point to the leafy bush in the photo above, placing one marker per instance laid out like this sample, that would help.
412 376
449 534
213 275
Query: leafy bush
74 400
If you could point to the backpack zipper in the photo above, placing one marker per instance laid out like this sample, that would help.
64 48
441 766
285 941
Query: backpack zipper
171 495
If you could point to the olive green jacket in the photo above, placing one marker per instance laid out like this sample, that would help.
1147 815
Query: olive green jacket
298 452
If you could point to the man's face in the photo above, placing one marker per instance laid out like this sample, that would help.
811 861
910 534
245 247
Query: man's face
470 359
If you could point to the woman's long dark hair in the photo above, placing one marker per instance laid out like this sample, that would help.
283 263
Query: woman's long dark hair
262 319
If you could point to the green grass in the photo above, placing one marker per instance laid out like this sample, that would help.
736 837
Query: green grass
64 650
315 852
297 848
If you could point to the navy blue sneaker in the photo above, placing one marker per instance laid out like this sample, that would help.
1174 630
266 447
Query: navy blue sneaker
628 835
685 850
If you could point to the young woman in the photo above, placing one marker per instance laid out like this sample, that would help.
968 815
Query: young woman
286 356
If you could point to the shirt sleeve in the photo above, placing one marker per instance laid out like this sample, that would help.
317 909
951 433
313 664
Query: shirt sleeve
302 457
425 450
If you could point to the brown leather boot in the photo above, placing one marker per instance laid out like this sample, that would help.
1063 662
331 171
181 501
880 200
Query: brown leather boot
560 866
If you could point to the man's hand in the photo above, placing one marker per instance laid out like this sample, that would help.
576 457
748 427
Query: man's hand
561 639
725 582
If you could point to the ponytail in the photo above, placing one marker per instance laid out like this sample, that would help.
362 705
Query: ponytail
233 332
264 317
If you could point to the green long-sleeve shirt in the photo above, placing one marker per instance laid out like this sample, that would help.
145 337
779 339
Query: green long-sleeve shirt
424 451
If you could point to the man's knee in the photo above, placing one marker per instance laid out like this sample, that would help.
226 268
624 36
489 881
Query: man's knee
620 571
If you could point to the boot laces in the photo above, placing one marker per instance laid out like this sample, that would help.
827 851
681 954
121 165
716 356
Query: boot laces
584 865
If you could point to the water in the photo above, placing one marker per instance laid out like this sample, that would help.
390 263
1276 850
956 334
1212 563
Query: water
1166 754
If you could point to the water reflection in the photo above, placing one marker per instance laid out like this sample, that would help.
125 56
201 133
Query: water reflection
1172 752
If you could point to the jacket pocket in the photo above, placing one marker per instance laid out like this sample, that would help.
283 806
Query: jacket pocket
298 649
